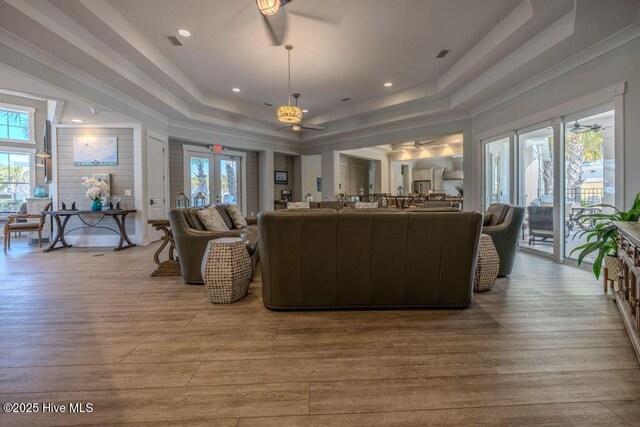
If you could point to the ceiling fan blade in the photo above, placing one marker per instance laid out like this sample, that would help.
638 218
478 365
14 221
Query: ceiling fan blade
276 26
284 127
330 20
311 127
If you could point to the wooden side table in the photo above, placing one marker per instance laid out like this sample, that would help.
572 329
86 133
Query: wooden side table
171 266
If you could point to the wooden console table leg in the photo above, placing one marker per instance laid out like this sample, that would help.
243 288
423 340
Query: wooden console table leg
59 236
170 267
605 279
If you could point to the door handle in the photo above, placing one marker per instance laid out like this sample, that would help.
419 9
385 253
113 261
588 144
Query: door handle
151 201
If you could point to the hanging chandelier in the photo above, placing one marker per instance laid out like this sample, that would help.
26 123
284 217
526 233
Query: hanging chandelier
291 114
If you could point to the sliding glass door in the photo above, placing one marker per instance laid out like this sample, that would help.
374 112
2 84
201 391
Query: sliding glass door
216 176
589 173
497 175
536 184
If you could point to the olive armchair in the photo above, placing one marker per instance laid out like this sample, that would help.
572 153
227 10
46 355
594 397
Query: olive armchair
503 223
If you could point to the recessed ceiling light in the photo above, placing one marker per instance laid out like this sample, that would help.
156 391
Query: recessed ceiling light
76 120
236 89
305 111
388 84
184 33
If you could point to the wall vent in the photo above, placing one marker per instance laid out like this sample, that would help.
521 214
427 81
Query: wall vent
443 53
174 40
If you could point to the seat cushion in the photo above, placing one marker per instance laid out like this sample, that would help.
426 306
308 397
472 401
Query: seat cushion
212 219
487 219
236 216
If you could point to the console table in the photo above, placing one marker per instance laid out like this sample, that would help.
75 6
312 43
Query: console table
627 296
61 218
170 266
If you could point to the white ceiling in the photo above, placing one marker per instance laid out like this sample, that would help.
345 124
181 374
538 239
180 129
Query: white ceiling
117 48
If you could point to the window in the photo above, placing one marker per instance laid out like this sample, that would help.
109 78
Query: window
16 123
15 179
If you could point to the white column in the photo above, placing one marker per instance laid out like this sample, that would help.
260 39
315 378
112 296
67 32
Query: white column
330 172
266 182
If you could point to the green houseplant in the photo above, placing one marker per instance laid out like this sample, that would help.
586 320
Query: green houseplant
602 237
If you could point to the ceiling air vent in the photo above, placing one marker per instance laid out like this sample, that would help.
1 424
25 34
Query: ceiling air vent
174 40
268 105
345 99
443 53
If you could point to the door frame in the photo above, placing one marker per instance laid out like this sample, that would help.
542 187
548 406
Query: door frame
199 149
512 165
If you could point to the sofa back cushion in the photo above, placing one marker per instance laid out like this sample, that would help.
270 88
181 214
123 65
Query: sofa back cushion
298 205
224 214
498 213
211 219
236 216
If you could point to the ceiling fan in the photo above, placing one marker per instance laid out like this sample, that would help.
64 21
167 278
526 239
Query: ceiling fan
297 127
274 18
578 128
418 144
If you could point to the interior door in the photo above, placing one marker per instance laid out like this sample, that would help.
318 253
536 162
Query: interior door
157 208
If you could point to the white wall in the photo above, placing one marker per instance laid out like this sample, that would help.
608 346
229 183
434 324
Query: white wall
619 65
311 170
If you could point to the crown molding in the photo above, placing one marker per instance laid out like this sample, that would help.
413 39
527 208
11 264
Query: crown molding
610 43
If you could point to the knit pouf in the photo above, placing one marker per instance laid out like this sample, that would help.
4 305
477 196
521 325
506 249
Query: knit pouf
226 270
488 265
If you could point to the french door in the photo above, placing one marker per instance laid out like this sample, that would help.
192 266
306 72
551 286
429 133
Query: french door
217 177
497 171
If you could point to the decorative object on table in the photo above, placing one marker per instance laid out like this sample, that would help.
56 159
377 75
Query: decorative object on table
226 270
170 266
400 191
40 192
281 177
603 238
69 205
319 184
13 225
287 196
182 201
460 189
199 200
308 197
487 266
95 151
236 216
96 190
114 202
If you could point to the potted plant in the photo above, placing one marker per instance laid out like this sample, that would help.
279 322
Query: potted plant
602 237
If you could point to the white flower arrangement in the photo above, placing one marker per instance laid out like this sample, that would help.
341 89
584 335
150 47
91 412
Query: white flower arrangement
97 189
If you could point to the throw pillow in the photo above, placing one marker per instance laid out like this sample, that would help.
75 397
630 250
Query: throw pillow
297 205
211 219
366 205
487 219
236 216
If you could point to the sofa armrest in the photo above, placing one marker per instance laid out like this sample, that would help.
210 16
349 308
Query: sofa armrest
251 220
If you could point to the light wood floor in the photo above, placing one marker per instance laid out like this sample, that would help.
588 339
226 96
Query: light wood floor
544 347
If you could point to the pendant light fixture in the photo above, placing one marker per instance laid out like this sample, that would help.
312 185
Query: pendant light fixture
291 114
268 7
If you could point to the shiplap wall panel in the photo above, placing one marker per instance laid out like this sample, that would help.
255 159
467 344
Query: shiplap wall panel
283 162
70 176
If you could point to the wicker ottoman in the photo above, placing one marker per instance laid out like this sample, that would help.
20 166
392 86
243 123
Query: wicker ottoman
488 265
226 270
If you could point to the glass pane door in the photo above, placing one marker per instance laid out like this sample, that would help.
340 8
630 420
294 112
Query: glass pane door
589 174
200 177
497 172
536 188
218 177
228 174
